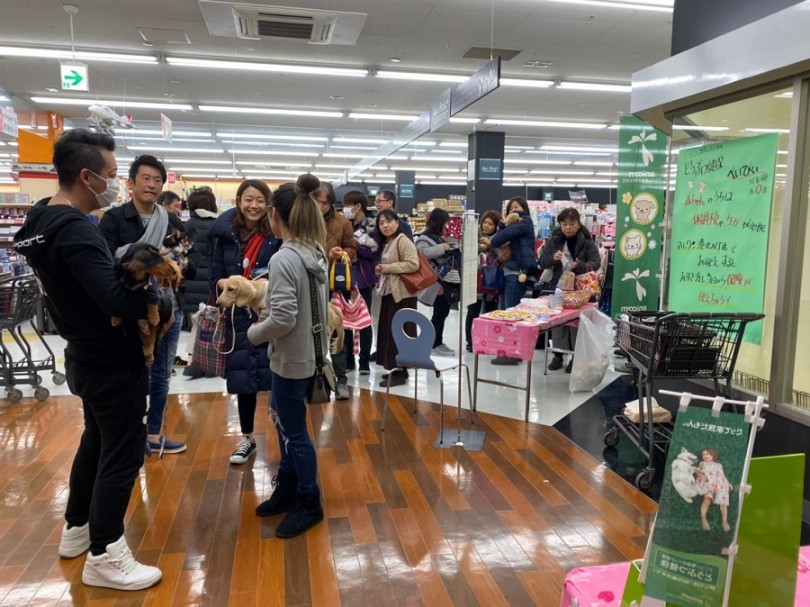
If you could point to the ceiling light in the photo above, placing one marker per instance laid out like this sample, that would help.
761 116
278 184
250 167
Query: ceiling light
273 153
232 176
364 116
524 161
342 155
694 127
547 123
265 110
6 98
282 144
644 5
145 105
453 144
446 151
595 163
265 163
271 137
139 132
576 148
52 53
525 82
429 169
559 172
358 140
353 147
194 160
268 67
595 86
518 147
150 148
333 166
465 120
423 76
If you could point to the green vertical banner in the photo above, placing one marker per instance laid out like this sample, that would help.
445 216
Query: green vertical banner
639 216
720 223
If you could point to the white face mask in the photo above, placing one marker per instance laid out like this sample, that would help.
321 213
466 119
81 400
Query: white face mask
348 213
109 195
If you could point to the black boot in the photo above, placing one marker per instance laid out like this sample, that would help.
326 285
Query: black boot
286 484
306 512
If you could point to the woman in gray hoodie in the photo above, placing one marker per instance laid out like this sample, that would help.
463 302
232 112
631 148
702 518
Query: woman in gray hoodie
296 218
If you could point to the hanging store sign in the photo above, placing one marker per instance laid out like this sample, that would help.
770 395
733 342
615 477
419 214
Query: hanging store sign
74 76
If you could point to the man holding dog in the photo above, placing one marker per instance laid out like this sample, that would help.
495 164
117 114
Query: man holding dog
104 364
143 219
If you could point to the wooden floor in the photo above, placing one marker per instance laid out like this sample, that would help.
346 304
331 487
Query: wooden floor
406 523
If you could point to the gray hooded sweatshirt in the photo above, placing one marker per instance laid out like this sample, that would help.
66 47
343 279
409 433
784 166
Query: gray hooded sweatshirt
288 327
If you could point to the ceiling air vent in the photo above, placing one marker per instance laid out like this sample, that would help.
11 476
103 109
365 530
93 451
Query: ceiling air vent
260 22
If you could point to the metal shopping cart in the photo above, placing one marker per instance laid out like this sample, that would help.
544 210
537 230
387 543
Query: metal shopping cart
672 345
18 301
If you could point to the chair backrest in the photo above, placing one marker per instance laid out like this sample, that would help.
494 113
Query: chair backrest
413 352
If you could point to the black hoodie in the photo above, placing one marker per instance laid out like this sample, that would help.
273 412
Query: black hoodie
75 269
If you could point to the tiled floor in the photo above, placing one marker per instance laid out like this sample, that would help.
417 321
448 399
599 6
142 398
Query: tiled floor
550 398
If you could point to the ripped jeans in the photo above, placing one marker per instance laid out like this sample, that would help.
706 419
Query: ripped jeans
289 413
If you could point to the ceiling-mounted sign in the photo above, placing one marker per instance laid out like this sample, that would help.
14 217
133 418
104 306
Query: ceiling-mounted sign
166 127
171 178
8 122
74 76
32 167
480 84
440 111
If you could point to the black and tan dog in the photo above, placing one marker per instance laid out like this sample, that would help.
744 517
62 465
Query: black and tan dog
143 267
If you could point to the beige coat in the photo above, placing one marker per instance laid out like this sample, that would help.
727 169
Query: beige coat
404 260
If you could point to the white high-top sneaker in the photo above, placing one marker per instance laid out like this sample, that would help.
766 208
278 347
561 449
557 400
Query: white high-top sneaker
75 541
118 569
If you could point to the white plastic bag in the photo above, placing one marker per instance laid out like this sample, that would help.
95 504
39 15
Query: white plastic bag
592 350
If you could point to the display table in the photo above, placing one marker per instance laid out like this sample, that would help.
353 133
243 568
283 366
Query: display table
514 339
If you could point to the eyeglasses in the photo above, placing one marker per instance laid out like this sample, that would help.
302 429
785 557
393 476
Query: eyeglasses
379 201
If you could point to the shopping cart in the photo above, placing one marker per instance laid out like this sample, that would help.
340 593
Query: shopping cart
672 345
18 301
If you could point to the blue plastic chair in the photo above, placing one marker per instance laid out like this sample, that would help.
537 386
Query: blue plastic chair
414 353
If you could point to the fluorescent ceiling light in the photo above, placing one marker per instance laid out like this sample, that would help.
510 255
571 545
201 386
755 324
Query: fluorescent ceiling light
139 132
265 163
547 123
455 159
365 116
353 147
525 82
429 169
281 144
182 160
420 76
52 53
333 166
273 111
753 130
453 144
518 147
358 140
420 144
342 155
273 153
445 151
145 105
135 137
559 172
150 148
594 163
524 161
268 67
595 86
465 120
577 148
664 6
225 135
690 127
212 176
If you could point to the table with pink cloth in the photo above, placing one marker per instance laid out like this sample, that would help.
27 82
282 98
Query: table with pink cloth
512 339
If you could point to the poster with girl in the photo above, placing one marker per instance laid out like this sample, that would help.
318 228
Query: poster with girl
699 508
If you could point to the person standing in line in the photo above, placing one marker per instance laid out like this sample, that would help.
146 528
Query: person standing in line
339 240
242 243
104 364
570 243
432 243
399 256
355 205
202 207
171 202
521 263
143 220
386 200
298 273
488 256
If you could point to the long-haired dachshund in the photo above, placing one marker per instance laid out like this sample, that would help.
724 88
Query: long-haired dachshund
142 267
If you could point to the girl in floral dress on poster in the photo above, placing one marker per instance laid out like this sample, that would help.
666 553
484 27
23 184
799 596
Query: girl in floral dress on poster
717 488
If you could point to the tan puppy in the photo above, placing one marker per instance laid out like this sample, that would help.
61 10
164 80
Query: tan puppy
334 329
239 291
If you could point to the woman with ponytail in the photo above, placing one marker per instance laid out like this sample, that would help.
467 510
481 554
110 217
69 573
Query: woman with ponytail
296 218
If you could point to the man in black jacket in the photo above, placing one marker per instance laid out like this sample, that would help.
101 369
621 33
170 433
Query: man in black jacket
104 364
143 219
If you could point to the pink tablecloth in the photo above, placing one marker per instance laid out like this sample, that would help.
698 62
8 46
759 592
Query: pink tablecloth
515 339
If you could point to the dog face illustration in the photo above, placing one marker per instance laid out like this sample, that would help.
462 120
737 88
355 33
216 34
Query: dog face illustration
633 246
643 209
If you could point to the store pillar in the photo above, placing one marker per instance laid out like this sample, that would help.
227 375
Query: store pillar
485 171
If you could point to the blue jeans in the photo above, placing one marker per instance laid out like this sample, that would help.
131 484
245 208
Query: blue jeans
289 413
513 291
161 372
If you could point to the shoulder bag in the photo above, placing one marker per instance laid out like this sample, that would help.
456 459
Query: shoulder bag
322 383
422 278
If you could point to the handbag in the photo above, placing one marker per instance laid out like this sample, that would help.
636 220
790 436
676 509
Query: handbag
492 279
422 278
209 343
354 309
322 383
589 281
340 274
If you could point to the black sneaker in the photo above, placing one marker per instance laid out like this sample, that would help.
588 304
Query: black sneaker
556 363
179 362
398 378
244 449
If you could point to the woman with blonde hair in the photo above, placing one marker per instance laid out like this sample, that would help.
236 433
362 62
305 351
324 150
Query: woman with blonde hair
298 271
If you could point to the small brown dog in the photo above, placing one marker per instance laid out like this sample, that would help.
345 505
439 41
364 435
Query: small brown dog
334 329
137 267
244 293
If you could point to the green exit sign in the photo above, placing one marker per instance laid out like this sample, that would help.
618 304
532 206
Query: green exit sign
74 76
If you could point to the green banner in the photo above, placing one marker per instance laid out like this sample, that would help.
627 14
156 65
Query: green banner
720 223
639 216
698 509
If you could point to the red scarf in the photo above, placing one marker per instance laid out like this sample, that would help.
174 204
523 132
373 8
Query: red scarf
251 253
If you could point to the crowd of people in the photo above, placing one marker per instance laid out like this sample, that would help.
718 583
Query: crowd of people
291 237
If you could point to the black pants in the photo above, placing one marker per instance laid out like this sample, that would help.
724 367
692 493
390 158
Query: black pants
441 310
111 449
474 311
246 405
